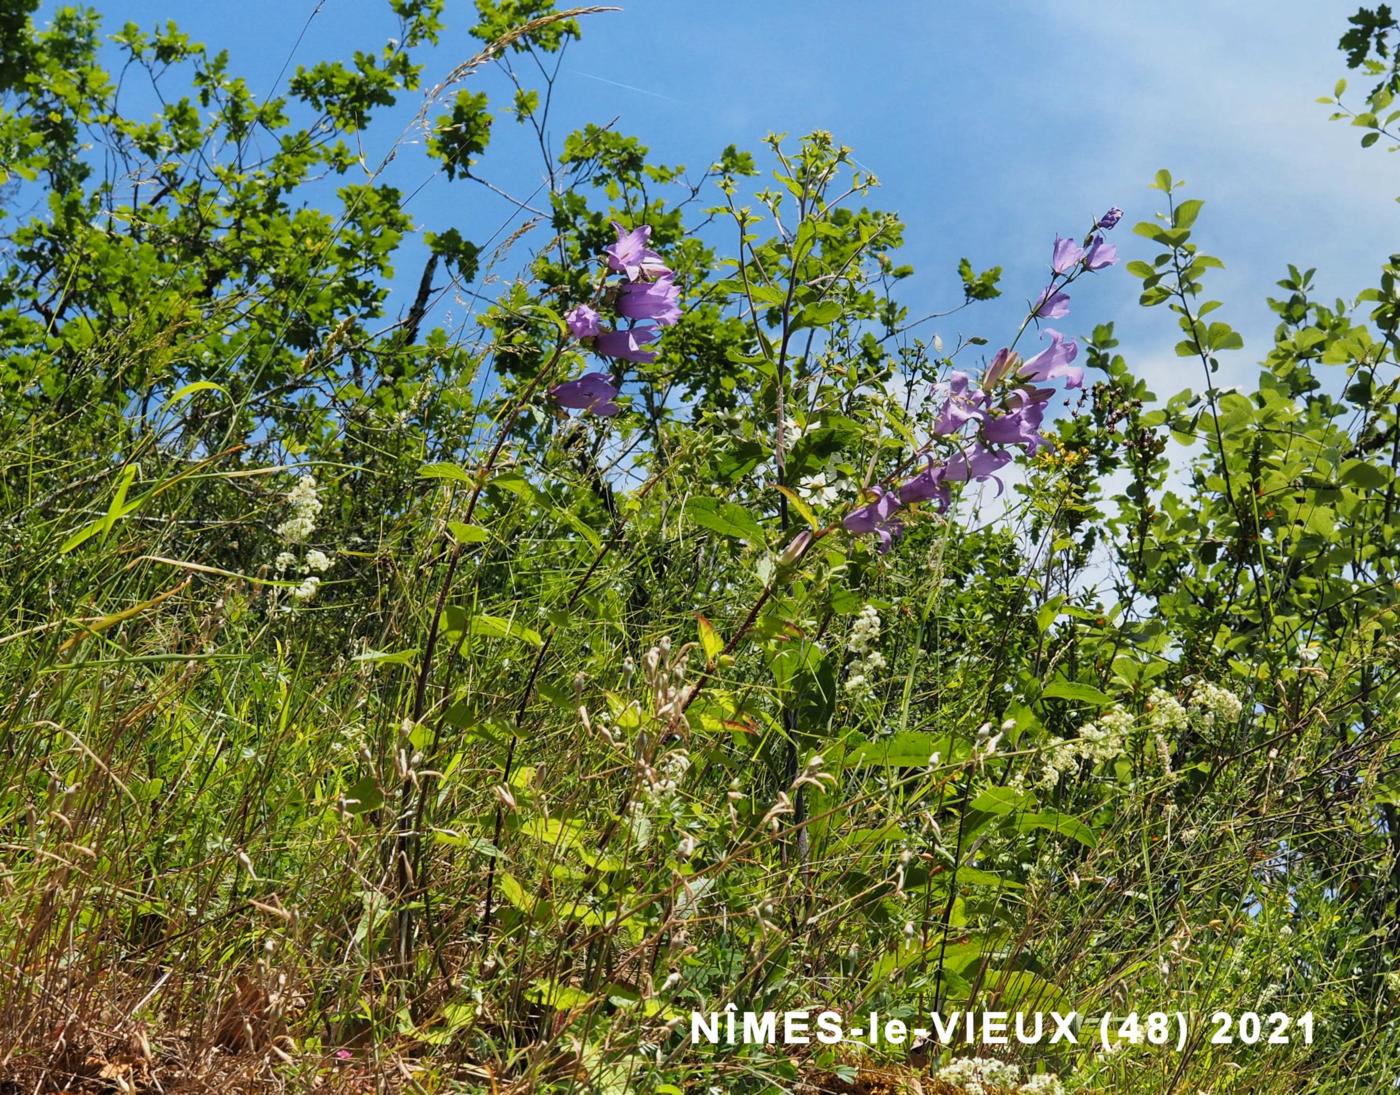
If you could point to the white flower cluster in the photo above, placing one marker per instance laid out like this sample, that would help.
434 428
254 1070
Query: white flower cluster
1216 706
306 507
982 1075
866 661
662 783
1103 740
1165 719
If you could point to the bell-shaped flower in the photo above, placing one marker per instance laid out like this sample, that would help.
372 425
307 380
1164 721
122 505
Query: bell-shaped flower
1100 255
979 462
877 517
627 344
1004 363
1066 255
959 405
927 486
1110 219
1019 424
1053 362
582 322
592 393
1051 305
631 256
657 300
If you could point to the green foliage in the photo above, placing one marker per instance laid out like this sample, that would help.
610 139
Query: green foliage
367 714
981 286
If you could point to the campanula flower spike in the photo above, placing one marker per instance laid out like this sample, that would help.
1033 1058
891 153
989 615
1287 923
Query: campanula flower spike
1006 406
649 293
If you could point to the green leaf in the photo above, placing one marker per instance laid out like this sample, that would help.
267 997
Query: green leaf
379 657
710 641
1363 474
975 876
366 796
1056 822
552 994
912 749
981 286
817 315
467 534
1000 800
803 509
553 831
1186 213
514 892
495 627
726 518
445 471
1073 690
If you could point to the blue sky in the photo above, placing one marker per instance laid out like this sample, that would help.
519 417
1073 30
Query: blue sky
992 126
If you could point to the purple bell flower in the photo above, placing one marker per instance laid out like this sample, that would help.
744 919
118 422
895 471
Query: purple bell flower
627 344
927 486
1004 363
959 406
977 463
1066 255
592 393
1109 219
876 517
1051 305
582 322
1053 362
1100 255
1020 425
631 256
657 300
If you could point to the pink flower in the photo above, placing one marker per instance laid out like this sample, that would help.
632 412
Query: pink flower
960 406
928 485
876 517
657 300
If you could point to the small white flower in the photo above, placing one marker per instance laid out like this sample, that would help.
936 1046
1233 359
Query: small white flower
307 590
818 489
306 506
285 561
317 561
